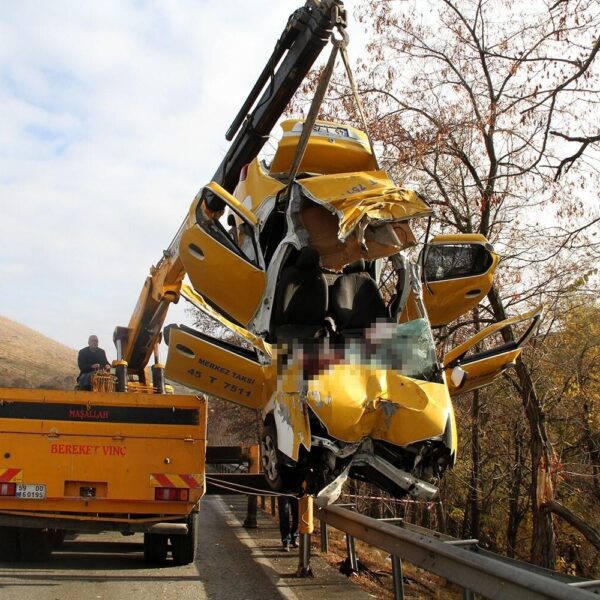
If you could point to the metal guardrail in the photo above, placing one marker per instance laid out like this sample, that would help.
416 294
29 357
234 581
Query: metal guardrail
462 562
459 561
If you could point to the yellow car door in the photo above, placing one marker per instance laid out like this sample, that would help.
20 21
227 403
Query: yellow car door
217 367
479 360
225 267
457 272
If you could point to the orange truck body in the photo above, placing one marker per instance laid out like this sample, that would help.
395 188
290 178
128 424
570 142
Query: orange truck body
89 461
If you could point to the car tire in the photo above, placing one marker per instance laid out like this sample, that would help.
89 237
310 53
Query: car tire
183 547
155 549
280 477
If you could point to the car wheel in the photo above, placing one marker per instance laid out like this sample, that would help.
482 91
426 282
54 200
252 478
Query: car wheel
280 477
271 459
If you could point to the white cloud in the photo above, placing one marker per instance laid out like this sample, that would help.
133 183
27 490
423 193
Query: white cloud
114 114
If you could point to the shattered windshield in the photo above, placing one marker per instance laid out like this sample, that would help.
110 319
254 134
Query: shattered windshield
406 347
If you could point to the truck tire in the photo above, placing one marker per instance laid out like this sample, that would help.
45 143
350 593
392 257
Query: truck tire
155 549
183 547
57 537
35 544
10 548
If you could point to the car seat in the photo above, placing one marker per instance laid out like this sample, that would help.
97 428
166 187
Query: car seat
355 301
301 299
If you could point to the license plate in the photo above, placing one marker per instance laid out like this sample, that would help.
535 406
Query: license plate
32 491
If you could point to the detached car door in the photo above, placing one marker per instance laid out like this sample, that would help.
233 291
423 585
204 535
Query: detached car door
217 367
457 272
485 356
225 267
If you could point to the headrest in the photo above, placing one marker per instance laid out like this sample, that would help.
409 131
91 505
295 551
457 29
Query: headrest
308 258
357 266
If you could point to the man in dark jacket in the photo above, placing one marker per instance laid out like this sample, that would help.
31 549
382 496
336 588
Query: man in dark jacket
90 360
288 507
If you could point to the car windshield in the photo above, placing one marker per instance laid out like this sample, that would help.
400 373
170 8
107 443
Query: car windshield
406 347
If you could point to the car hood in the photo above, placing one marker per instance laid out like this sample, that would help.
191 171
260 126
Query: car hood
357 402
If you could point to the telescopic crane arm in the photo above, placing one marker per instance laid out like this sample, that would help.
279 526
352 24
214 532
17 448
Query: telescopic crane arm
139 340
307 32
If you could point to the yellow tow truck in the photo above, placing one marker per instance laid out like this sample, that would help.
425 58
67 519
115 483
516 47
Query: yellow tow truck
100 461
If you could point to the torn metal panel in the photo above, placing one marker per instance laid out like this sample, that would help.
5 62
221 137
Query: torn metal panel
291 420
352 196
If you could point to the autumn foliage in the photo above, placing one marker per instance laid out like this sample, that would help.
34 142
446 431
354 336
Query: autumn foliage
489 108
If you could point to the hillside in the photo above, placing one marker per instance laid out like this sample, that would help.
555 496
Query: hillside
30 359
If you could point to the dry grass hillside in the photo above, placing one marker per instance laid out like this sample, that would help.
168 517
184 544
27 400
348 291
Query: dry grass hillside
30 359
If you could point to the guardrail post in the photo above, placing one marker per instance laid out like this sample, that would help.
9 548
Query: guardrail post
351 549
398 578
306 527
253 467
324 537
470 543
273 510
263 502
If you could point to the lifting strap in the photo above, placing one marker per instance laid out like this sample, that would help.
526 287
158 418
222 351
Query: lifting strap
341 46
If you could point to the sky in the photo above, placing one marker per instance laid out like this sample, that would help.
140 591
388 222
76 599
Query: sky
112 116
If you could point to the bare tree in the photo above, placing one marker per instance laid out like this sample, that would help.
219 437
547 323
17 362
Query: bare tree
462 99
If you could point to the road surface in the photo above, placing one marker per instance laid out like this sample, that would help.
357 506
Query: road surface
232 563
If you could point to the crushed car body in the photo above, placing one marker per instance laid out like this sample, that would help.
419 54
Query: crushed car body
308 263
348 384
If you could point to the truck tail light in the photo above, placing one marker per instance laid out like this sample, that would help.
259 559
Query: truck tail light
8 489
177 494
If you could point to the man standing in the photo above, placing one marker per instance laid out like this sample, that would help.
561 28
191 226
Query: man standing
90 360
288 507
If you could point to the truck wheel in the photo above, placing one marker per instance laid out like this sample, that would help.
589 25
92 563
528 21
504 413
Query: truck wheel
57 537
155 548
10 549
183 547
35 544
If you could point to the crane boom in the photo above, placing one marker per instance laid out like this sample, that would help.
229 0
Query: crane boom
305 35
307 32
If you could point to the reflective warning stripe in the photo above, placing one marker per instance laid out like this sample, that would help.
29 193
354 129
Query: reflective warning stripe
177 481
8 475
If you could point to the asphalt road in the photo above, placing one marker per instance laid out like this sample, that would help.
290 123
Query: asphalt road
232 564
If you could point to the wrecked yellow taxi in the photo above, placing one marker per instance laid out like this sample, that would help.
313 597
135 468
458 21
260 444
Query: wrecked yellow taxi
343 369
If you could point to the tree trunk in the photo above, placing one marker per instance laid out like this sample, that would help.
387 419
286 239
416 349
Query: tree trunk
514 515
543 546
590 534
475 467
